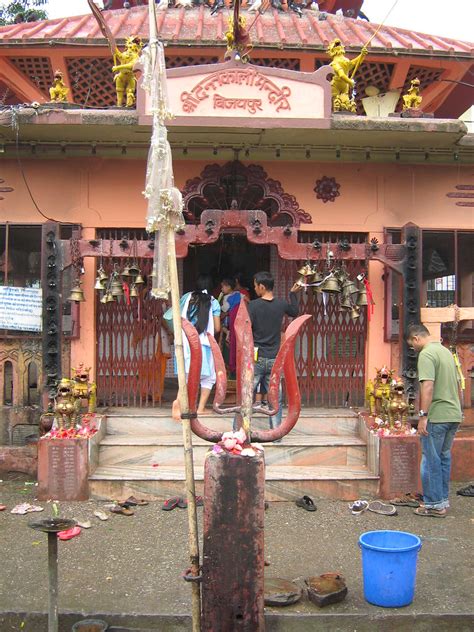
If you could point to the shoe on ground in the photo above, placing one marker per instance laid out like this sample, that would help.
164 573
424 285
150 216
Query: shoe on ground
358 507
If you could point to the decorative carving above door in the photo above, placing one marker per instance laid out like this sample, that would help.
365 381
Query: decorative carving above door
235 186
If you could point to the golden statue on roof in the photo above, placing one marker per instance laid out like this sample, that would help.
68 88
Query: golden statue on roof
58 91
124 78
412 99
343 82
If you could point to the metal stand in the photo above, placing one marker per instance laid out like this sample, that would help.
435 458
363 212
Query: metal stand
52 527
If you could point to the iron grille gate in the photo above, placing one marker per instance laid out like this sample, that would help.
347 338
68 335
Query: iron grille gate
130 363
330 352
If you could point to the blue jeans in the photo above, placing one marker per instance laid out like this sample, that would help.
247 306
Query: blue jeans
262 371
436 463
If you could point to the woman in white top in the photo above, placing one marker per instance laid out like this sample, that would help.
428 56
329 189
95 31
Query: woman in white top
203 311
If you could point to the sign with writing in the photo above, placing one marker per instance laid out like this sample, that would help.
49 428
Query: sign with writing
399 465
63 469
245 88
20 308
250 95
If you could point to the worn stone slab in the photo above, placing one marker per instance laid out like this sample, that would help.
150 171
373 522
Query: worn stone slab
63 469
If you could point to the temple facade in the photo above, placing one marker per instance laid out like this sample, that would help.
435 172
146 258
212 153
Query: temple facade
270 176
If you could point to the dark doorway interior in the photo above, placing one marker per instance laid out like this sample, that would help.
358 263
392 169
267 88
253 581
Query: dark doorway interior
231 254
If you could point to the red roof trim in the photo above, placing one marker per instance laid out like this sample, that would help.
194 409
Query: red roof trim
272 29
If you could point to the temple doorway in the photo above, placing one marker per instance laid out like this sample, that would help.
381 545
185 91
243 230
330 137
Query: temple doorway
230 255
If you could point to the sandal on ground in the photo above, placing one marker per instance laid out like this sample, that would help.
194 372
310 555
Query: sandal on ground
3 507
69 533
466 491
407 500
171 503
183 502
101 515
306 503
379 507
433 513
358 506
135 502
122 511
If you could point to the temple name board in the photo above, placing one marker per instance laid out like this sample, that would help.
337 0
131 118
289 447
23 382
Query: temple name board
245 95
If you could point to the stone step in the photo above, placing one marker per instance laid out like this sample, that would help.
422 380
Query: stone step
167 450
164 425
282 482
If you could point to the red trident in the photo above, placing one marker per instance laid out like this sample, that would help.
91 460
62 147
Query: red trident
284 364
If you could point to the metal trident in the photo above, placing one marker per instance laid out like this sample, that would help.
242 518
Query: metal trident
284 364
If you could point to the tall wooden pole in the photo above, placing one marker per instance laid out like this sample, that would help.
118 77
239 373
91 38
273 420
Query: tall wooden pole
182 390
187 435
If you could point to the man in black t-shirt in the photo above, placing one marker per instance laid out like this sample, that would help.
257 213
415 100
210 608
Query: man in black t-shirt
267 313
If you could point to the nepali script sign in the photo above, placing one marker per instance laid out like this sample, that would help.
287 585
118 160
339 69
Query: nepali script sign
20 308
233 92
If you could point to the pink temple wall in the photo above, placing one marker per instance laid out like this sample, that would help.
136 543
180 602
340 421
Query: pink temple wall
103 192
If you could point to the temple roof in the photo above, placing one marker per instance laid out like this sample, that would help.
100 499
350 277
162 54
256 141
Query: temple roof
196 26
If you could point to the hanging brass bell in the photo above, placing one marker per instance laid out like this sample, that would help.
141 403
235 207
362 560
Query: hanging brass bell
126 272
104 298
77 295
306 270
350 287
139 280
102 274
362 297
355 313
109 298
116 287
133 270
346 300
99 284
134 291
316 277
331 285
301 281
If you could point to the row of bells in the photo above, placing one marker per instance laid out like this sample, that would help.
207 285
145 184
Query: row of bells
333 285
115 289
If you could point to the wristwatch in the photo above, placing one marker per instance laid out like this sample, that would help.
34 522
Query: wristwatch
422 413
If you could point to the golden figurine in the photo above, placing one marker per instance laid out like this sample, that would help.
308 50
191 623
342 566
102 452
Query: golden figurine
64 405
124 78
343 78
378 390
396 405
412 99
83 389
58 91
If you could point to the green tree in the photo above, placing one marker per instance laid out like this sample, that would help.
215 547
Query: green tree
22 11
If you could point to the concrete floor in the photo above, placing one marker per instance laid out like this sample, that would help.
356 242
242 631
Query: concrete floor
127 570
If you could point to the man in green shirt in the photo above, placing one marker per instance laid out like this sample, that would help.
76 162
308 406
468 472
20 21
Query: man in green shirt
439 417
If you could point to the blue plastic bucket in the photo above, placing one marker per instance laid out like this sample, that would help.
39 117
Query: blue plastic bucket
389 567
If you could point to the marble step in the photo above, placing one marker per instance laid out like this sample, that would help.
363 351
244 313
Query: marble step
164 425
167 450
281 482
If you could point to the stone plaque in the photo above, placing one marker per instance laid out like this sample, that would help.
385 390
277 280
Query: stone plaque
399 466
63 469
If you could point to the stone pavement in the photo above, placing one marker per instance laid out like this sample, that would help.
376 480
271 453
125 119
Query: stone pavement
127 570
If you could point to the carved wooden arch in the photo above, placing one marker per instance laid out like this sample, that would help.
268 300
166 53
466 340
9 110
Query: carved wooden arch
239 187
